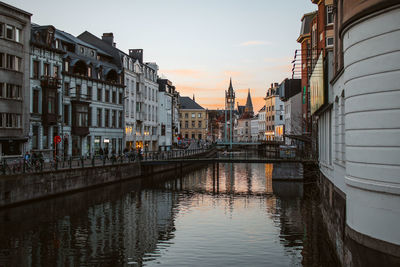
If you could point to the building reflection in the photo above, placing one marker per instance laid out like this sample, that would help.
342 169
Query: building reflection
85 230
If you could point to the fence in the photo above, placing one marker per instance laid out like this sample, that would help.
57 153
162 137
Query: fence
19 165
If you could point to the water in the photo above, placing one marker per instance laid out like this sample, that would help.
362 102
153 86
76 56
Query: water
242 217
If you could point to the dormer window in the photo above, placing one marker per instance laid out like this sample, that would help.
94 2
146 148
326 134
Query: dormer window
82 50
92 53
89 71
66 66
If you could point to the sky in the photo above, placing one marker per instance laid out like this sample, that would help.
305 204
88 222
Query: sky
197 44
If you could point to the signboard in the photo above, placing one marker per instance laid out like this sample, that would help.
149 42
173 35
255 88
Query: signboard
57 139
317 96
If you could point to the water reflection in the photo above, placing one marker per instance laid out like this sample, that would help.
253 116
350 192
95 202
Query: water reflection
230 214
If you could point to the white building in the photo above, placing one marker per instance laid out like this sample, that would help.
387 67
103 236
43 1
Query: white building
254 129
358 123
166 109
274 114
261 124
290 94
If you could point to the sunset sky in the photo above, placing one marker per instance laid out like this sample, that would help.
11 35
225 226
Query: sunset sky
197 44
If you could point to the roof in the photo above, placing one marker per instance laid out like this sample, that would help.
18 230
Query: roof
262 109
306 24
100 44
67 37
16 9
188 103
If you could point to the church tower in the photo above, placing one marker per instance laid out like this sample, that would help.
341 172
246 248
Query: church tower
249 105
230 97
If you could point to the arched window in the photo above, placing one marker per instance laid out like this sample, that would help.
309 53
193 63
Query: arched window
80 68
112 76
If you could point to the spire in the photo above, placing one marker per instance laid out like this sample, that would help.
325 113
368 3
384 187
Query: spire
194 98
230 89
249 104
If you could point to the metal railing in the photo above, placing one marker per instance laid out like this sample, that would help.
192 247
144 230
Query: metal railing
21 165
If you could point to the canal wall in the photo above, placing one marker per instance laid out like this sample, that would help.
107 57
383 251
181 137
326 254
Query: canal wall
19 188
352 248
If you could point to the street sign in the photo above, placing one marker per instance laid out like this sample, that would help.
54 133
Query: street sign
57 139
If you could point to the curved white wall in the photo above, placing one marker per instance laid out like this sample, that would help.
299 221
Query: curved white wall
372 121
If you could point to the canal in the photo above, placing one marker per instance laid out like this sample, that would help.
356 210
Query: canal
244 215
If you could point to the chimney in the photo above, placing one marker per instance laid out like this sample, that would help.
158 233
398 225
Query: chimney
276 85
108 38
272 85
136 54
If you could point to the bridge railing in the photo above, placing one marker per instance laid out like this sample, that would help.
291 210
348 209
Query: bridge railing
21 165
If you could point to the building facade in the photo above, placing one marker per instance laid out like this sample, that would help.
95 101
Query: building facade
357 112
45 90
274 114
261 124
193 119
92 98
15 30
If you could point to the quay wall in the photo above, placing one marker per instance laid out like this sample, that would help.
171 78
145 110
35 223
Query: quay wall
19 188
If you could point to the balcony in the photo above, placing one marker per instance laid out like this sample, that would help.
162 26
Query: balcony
50 82
140 116
79 97
139 97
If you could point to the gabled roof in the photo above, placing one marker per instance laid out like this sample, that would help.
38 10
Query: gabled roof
114 52
188 103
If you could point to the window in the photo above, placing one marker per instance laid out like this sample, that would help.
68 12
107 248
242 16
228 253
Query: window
1 29
107 118
329 41
193 124
1 90
186 115
10 120
99 93
107 96
81 116
89 71
99 117
66 66
200 136
273 108
78 90
81 50
2 60
55 71
120 98
66 114
46 69
51 102
199 115
66 89
193 136
90 92
200 124
186 124
35 137
273 117
329 14
193 115
35 68
90 117
35 104
120 119
17 35
113 119
114 97
9 32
